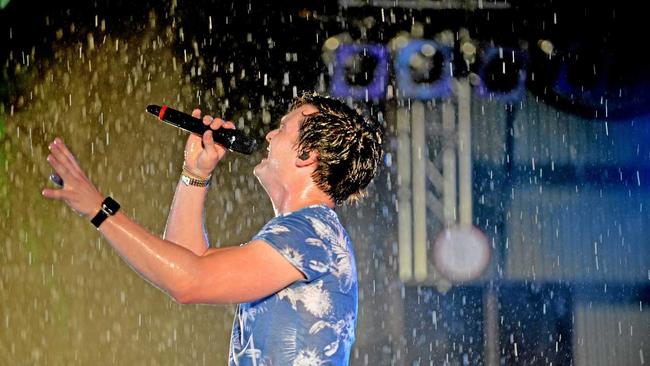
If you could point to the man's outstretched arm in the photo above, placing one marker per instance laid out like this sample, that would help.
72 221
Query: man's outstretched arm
223 276
229 275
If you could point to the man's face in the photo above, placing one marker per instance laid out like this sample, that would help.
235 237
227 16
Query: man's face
280 163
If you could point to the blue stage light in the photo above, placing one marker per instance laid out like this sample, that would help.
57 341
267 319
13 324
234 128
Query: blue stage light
582 78
423 70
360 71
503 74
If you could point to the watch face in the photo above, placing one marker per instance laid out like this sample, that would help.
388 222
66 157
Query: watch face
107 209
110 205
185 179
188 181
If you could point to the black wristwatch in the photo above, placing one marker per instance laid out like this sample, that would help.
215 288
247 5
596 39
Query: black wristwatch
109 208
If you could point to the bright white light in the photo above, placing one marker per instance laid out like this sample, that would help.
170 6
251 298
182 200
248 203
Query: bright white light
461 253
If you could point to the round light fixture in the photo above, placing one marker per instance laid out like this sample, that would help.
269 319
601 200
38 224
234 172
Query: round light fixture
461 253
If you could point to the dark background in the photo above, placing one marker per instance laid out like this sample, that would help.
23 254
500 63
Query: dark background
608 39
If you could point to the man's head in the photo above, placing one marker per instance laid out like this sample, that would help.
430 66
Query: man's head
348 146
341 147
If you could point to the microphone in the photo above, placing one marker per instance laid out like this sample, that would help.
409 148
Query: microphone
233 140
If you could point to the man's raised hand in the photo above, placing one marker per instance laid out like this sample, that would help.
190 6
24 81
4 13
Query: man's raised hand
77 190
201 153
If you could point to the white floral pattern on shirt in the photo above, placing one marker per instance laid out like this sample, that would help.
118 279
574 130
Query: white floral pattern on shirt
310 322
315 300
340 262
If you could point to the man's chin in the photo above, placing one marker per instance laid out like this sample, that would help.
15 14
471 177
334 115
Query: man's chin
259 171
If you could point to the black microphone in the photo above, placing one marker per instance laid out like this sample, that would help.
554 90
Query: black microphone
233 140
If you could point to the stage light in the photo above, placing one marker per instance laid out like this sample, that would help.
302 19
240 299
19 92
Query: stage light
599 84
543 67
4 3
468 50
503 74
360 71
546 46
461 253
423 70
331 44
582 77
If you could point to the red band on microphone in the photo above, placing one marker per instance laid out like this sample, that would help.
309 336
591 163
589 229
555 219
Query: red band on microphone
163 109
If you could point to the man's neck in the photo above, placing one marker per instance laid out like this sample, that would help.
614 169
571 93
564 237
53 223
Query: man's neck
290 200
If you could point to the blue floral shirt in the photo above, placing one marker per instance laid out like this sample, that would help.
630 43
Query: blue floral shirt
312 321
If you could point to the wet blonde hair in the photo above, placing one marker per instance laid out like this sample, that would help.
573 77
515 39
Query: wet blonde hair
349 146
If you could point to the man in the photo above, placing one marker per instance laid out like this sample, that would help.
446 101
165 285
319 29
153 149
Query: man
295 281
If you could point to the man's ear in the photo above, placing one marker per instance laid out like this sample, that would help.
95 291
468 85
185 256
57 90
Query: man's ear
306 158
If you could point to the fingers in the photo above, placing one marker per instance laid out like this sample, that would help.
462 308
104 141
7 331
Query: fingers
58 166
64 155
214 123
56 194
64 164
61 171
217 123
77 192
68 155
208 141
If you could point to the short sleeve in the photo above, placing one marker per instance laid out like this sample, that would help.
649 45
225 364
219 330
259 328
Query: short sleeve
295 238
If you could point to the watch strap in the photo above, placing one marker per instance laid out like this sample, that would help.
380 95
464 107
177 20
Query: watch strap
109 208
189 178
192 181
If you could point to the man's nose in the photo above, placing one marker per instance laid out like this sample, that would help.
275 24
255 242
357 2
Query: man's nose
270 135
